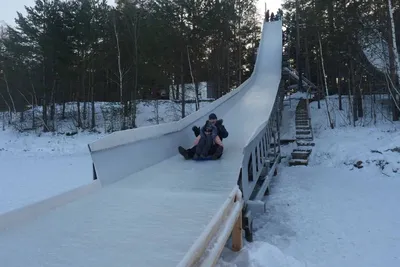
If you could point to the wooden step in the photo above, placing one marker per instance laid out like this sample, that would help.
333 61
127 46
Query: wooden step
298 162
303 143
302 123
302 150
303 132
303 128
304 137
287 141
301 119
300 155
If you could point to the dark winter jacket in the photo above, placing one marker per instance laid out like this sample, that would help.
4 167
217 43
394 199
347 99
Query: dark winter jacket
222 132
214 131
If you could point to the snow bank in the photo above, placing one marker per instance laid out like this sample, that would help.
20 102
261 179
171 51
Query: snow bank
374 143
329 217
258 254
107 115
34 168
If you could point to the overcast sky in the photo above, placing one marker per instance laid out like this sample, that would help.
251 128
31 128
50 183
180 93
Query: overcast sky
9 8
272 5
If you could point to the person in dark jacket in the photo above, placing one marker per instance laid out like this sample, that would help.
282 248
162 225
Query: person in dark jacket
207 143
222 132
272 17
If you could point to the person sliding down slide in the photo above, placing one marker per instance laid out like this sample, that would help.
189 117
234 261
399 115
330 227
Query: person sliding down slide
222 132
207 144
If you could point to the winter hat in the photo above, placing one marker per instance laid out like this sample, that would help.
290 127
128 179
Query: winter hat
212 116
208 127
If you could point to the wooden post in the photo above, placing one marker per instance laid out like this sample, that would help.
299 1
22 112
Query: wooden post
237 240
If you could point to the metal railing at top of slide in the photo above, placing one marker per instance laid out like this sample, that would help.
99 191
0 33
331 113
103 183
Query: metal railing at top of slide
263 149
305 80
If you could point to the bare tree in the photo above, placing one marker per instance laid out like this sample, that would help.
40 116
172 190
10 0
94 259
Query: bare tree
396 59
121 74
4 78
325 82
196 89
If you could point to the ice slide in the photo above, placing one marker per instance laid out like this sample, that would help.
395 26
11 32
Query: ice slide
154 208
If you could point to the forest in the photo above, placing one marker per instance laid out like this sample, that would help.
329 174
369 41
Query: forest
84 51
336 36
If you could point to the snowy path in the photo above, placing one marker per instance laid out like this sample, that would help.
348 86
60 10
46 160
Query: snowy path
331 217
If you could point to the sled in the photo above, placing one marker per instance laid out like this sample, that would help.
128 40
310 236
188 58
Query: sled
206 158
203 159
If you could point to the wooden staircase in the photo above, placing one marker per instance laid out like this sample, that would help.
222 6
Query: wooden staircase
304 135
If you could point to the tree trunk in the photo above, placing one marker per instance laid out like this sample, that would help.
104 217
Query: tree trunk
319 83
353 89
121 77
307 58
78 106
395 61
53 106
93 121
183 89
239 53
9 92
360 110
33 112
340 94
63 106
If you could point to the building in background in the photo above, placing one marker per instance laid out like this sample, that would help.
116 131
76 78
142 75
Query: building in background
205 91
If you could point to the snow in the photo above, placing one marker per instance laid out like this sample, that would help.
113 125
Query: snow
101 233
375 142
258 254
332 213
36 166
327 214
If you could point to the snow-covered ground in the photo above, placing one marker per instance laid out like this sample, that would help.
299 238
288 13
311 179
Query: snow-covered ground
332 213
35 166
328 214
